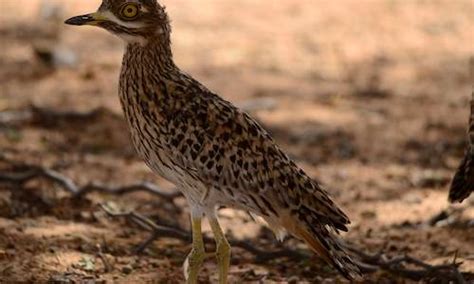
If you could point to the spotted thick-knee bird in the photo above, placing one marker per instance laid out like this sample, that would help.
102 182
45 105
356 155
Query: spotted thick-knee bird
463 181
216 154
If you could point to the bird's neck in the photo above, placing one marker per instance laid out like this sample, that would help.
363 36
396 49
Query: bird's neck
148 73
154 54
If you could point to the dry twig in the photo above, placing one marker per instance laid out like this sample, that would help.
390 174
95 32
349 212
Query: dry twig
45 116
400 265
160 231
447 216
100 254
29 173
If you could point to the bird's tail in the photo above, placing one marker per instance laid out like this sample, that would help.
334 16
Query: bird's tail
326 243
463 181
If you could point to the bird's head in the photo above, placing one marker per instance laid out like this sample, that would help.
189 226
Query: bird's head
135 21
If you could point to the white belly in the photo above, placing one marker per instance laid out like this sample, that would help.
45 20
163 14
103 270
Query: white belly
194 190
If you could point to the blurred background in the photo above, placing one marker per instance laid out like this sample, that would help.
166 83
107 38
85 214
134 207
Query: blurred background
369 97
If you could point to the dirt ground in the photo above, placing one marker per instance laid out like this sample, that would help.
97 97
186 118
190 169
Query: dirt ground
369 97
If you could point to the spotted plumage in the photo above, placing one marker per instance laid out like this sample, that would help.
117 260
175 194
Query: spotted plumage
463 181
216 154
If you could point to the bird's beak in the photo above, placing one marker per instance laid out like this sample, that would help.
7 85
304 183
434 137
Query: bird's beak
88 19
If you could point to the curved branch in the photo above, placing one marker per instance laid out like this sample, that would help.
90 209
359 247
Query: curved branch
143 186
159 231
398 265
29 173
34 172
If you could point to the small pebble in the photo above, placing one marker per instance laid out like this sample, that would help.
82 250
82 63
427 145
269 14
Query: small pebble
127 269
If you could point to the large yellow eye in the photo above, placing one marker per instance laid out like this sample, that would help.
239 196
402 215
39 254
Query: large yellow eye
129 11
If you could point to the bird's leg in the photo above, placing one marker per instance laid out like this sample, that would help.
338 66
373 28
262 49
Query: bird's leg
196 257
222 251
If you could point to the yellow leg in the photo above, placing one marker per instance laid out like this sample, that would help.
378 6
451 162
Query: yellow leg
222 251
196 257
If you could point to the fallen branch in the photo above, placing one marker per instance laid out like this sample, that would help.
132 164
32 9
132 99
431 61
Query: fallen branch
35 172
45 116
49 116
160 231
29 173
399 265
143 186
447 216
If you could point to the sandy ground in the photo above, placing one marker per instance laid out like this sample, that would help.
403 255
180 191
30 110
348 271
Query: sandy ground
370 97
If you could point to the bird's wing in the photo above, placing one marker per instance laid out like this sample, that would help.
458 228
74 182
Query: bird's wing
231 152
463 181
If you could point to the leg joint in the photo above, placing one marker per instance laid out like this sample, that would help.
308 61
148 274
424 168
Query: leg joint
196 257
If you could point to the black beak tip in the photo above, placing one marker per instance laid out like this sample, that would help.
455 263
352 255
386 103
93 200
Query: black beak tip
69 22
78 20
